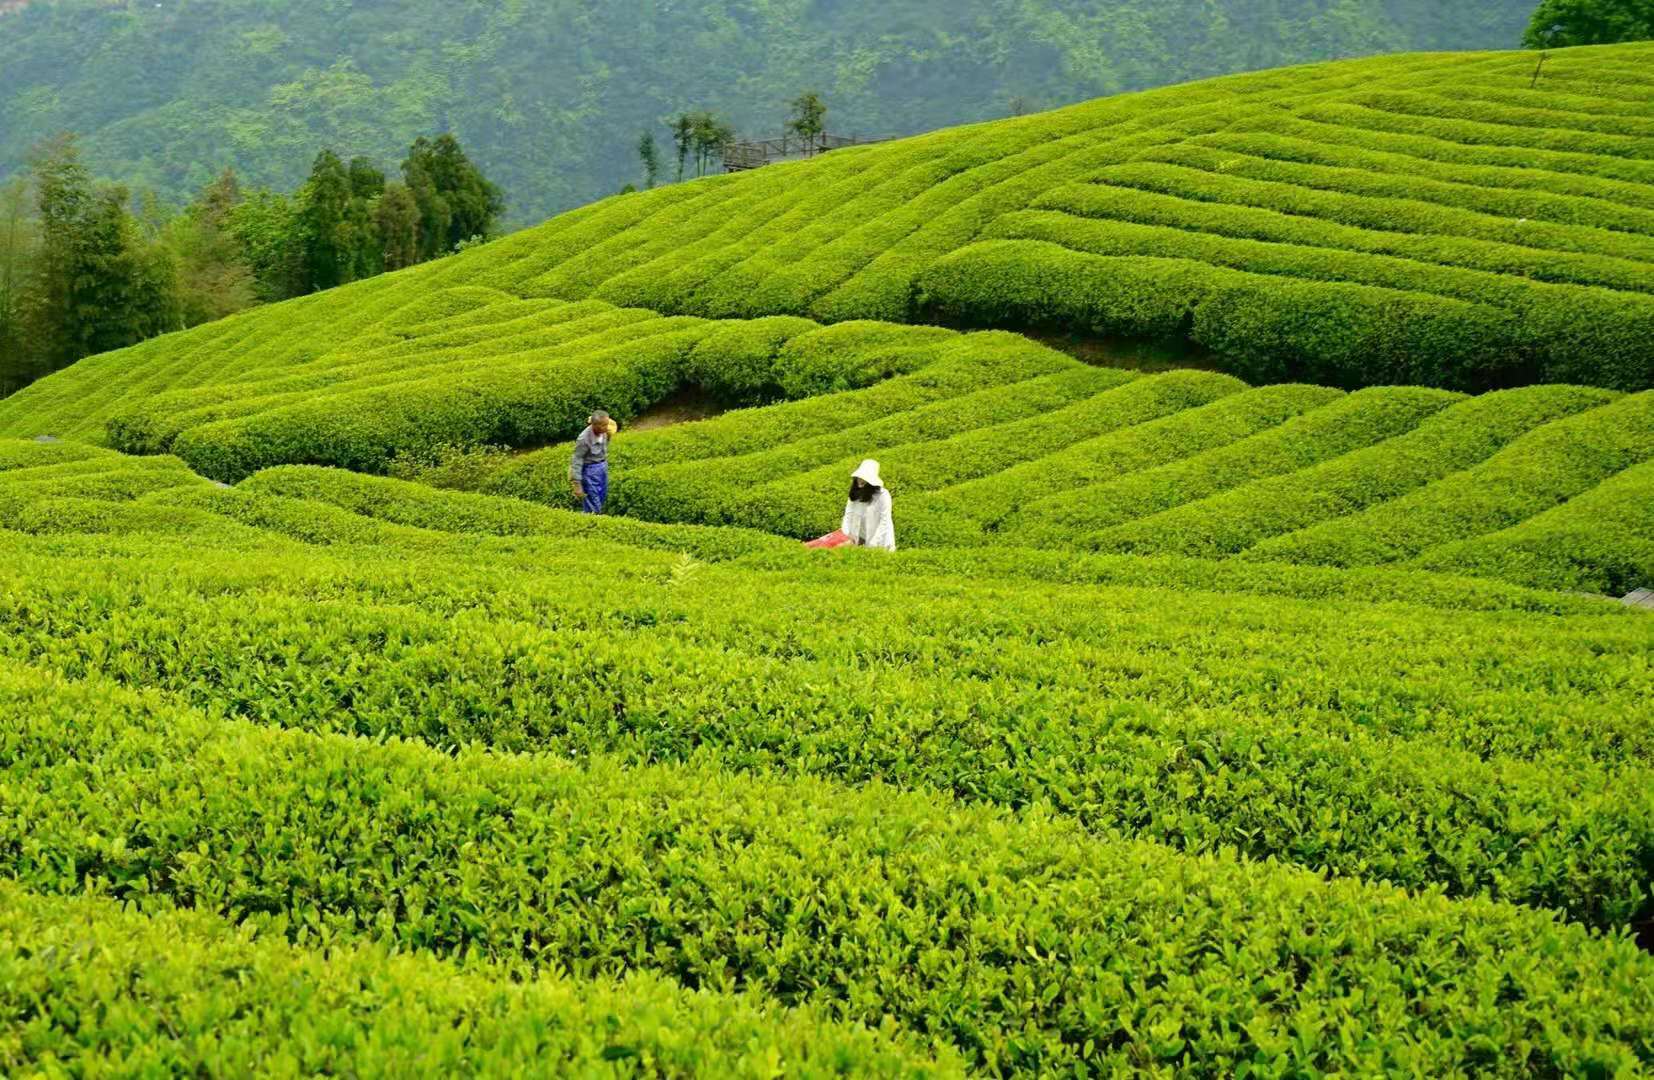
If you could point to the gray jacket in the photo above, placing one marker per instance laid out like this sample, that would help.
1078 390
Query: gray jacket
589 449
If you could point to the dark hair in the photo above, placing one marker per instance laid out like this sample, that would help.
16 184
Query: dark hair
861 490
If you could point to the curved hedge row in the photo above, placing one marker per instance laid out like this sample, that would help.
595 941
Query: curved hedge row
1534 473
1601 541
1456 438
1029 947
963 512
420 507
1351 423
178 993
810 501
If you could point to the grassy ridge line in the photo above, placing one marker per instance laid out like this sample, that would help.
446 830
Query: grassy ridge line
180 993
1270 145
1533 474
930 227
326 506
960 513
1354 422
1534 219
1108 237
1601 541
512 405
77 401
1489 140
1025 944
689 224
1279 768
722 490
1621 136
1455 438
913 213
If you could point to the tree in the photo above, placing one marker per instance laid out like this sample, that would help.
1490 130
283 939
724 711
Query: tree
364 246
63 194
650 154
324 206
456 202
708 135
97 282
808 119
1560 23
683 139
16 261
215 278
398 218
266 225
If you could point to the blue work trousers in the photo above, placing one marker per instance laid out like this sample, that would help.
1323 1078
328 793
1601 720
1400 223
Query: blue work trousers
594 481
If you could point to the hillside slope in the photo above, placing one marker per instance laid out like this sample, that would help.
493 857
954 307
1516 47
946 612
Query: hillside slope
1413 219
549 97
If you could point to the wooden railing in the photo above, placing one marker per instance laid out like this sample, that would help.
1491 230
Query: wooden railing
751 153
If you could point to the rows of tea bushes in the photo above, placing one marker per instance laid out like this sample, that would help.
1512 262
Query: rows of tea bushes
1602 541
1348 424
1398 219
325 506
1458 437
1534 473
183 993
1144 706
500 376
1017 940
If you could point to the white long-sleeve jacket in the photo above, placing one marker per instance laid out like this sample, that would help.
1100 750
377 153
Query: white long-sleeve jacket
869 523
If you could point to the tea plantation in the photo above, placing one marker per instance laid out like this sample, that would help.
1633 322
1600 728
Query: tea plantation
1279 720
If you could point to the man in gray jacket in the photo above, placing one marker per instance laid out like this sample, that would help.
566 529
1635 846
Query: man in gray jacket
589 471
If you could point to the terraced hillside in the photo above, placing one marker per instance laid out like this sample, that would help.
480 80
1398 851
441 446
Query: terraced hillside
1202 725
1413 219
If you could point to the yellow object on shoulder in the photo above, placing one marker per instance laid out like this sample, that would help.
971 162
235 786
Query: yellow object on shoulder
610 427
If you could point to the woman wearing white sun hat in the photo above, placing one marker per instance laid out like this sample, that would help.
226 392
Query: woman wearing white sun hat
867 513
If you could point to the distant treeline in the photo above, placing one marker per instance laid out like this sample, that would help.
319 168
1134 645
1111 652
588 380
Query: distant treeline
84 269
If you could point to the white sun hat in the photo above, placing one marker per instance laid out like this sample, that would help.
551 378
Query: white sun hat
868 471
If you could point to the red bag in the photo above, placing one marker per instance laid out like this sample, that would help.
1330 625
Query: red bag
831 540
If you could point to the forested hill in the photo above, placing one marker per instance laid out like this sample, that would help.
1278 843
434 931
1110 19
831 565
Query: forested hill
551 96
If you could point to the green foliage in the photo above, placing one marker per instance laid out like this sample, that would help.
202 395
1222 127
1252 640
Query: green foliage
352 714
538 94
1560 23
1416 219
1600 541
1458 437
694 864
185 993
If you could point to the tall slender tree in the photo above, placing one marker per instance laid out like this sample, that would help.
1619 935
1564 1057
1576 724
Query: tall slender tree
397 215
16 254
214 276
808 119
63 196
649 153
323 217
683 139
